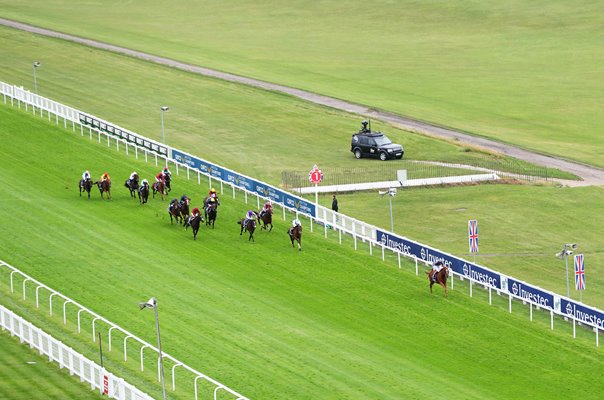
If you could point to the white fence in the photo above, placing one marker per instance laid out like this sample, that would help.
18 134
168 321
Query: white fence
88 371
330 222
129 339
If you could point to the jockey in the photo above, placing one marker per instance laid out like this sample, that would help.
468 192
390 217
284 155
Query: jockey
211 203
86 175
250 215
268 207
436 267
144 182
195 213
166 172
133 176
183 198
159 177
296 222
105 177
212 193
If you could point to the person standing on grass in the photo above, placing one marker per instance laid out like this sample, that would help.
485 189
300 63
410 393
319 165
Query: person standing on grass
334 204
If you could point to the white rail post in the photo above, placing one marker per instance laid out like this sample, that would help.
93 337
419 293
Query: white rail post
174 377
416 266
325 228
490 299
50 301
37 302
530 311
574 327
198 178
398 256
25 280
470 287
221 187
142 357
551 319
195 384
383 256
65 311
258 200
340 235
93 335
510 301
311 224
81 309
245 193
126 348
109 336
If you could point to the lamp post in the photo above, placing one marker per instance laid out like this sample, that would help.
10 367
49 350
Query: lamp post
391 193
36 65
152 303
163 134
566 251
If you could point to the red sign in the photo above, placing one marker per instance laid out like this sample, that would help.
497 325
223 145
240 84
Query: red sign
315 175
105 384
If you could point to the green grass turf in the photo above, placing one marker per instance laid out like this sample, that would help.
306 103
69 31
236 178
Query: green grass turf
267 320
213 119
521 72
26 375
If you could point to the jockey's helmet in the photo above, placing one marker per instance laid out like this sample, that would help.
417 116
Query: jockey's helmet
213 190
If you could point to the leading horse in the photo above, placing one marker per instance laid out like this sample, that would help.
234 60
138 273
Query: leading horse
85 185
439 277
295 233
184 209
194 222
249 226
104 187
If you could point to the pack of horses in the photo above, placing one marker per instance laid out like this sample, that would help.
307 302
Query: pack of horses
104 187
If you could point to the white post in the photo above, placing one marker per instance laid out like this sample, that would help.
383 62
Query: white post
311 224
471 288
398 256
531 311
510 306
574 327
383 256
490 300
551 318
416 266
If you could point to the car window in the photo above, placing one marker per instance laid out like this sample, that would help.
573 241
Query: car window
363 140
382 140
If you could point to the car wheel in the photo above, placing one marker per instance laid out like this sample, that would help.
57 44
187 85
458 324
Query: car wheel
358 154
383 156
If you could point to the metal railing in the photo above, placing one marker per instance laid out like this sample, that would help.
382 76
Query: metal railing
77 364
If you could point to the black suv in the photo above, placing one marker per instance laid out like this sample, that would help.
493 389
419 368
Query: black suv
366 143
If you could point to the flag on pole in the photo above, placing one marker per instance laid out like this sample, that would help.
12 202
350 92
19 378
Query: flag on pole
579 272
473 235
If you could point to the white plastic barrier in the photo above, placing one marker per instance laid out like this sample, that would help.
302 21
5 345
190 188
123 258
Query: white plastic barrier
87 370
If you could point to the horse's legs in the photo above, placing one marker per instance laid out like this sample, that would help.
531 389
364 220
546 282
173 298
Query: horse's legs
251 236
271 227
444 285
431 283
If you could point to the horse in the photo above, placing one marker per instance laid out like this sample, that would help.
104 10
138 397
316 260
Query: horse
266 218
194 222
85 185
440 277
295 233
132 185
250 227
211 212
184 209
174 211
104 186
143 194
206 203
168 182
159 186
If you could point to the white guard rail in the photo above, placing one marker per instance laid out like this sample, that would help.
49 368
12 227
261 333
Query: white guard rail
87 370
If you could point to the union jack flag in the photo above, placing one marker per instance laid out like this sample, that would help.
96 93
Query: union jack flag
579 272
473 235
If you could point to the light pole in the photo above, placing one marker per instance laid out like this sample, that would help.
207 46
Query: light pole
163 134
566 251
152 303
391 193
36 65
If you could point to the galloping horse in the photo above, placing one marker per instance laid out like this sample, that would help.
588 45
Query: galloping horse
266 218
194 222
168 182
250 227
184 209
143 193
159 186
440 277
174 211
104 186
132 185
211 213
85 185
206 203
295 233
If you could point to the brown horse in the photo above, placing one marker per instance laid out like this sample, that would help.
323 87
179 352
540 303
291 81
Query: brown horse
295 233
174 211
266 218
194 223
132 185
211 212
85 186
143 193
440 277
250 227
104 187
159 186
184 209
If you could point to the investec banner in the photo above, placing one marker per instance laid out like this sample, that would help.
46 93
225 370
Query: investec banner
247 183
428 254
582 313
531 294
